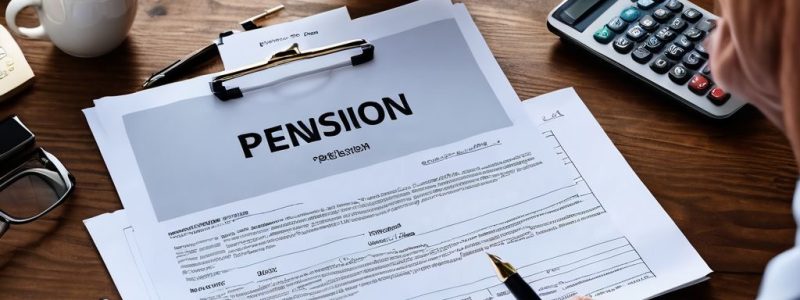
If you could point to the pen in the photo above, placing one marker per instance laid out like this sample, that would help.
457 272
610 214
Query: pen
181 66
513 281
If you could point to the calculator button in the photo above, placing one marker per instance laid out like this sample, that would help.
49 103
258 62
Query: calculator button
603 35
661 65
662 14
645 4
623 45
693 61
648 23
636 33
674 52
684 42
699 84
679 74
718 96
629 14
706 70
706 25
641 55
694 34
617 25
692 15
701 50
665 34
677 24
653 44
674 5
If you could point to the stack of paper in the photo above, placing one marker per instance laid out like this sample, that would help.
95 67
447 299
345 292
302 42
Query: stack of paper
387 180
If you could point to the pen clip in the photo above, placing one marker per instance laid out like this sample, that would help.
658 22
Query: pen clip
250 23
289 55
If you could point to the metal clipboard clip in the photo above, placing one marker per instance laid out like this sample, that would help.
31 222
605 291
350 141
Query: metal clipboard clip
287 56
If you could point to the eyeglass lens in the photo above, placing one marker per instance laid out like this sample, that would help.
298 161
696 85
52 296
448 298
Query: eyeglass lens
28 196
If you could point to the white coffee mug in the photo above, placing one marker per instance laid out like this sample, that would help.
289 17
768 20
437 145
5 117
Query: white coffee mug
82 28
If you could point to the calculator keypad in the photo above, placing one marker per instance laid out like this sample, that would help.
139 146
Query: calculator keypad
684 42
648 23
636 33
693 61
623 45
677 24
653 44
617 25
662 15
604 35
699 84
641 55
661 65
718 96
670 39
674 52
665 34
679 74
692 15
646 4
630 14
674 5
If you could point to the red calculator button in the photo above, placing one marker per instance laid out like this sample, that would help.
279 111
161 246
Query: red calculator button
718 96
699 84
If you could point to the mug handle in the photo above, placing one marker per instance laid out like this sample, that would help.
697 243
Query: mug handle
14 7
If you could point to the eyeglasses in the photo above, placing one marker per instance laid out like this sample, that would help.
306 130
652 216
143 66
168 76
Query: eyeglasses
33 189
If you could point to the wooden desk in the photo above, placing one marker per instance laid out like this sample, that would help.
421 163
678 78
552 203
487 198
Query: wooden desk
728 185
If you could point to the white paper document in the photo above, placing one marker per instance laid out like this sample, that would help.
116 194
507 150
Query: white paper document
387 180
635 264
259 44
327 28
267 188
113 235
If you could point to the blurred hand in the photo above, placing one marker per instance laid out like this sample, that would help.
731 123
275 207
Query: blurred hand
581 298
745 53
754 55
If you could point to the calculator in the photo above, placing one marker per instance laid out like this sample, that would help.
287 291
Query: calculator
657 41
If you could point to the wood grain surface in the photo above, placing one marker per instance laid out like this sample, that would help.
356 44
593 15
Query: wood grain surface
727 184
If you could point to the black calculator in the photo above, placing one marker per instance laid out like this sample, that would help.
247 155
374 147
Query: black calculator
657 41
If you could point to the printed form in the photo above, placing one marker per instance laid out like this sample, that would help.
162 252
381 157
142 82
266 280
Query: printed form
665 259
264 198
264 189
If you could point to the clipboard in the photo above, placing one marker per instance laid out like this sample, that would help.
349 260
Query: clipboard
292 54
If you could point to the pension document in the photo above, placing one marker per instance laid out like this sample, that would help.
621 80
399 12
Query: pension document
388 180
646 256
341 169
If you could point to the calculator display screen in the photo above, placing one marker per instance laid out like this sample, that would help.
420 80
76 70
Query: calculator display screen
578 9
